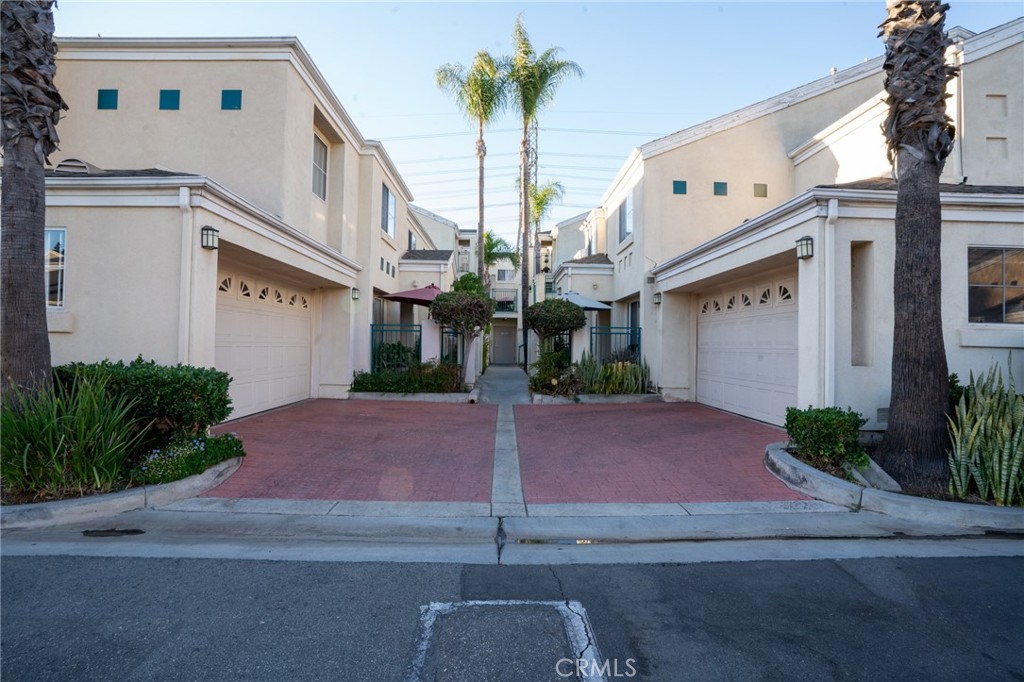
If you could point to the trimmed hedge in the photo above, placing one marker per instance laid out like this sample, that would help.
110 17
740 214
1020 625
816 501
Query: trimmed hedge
428 377
174 399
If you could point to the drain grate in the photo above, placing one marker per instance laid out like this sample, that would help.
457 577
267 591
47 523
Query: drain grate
112 532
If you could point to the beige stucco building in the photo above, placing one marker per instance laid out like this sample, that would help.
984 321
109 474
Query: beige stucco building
694 241
170 141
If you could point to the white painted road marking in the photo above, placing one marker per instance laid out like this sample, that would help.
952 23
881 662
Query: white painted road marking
574 618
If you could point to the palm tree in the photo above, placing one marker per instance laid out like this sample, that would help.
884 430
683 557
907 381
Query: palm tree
533 81
542 200
481 94
919 136
496 249
31 109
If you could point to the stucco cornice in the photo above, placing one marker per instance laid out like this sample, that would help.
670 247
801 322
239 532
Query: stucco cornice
814 203
200 188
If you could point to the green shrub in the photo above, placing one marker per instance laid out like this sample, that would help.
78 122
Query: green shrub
987 434
548 370
469 283
174 399
186 456
69 440
394 355
430 377
612 378
827 433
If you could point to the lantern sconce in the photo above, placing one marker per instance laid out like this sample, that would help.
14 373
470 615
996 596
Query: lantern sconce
804 248
657 298
209 238
355 294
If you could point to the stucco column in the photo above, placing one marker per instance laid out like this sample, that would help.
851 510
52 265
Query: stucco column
677 351
430 341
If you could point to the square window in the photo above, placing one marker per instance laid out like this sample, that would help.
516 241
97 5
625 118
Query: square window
760 190
170 100
995 285
231 99
679 187
721 189
106 99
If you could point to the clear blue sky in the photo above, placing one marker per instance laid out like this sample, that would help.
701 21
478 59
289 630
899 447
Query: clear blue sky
649 69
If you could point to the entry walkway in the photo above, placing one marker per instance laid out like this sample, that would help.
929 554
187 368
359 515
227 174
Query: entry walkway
504 385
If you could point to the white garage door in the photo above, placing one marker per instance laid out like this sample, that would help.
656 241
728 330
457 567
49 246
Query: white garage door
263 342
747 350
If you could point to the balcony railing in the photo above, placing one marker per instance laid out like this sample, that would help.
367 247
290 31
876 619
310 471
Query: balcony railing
507 300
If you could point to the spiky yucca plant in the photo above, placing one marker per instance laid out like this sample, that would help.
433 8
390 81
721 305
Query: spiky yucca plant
919 136
31 108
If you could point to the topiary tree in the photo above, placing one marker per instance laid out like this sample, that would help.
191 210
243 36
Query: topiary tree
465 312
553 317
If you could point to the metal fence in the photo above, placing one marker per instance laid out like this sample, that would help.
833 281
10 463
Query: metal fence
394 346
615 344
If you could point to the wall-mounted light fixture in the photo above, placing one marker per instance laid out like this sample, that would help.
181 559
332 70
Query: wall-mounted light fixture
657 298
804 248
209 237
355 294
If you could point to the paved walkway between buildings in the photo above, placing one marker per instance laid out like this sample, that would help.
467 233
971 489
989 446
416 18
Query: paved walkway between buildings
504 457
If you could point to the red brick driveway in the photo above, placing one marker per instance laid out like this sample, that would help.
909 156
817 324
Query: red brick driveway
644 453
428 452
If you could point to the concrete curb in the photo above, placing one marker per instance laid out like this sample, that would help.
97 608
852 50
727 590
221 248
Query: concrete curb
42 514
806 479
418 397
597 399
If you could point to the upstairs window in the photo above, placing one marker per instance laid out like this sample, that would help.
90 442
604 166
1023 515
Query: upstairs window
54 248
506 275
679 187
721 189
319 167
231 100
387 212
760 190
626 218
170 100
106 99
412 241
995 285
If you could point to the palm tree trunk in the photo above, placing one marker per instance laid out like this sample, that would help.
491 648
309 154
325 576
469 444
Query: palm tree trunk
524 230
481 152
24 342
914 446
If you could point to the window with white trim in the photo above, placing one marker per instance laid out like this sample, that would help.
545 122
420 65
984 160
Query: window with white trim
319 167
387 212
995 285
54 248
505 275
626 217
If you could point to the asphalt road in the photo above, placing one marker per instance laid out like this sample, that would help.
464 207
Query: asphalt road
86 618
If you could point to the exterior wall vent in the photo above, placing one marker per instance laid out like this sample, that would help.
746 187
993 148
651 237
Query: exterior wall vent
882 416
76 166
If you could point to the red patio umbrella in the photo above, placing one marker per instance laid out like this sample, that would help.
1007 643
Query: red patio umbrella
421 296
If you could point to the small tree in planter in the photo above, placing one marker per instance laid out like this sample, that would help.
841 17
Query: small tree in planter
550 318
465 312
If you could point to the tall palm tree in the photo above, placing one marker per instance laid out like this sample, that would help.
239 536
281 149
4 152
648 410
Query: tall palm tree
542 200
31 109
496 249
480 92
919 136
533 81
